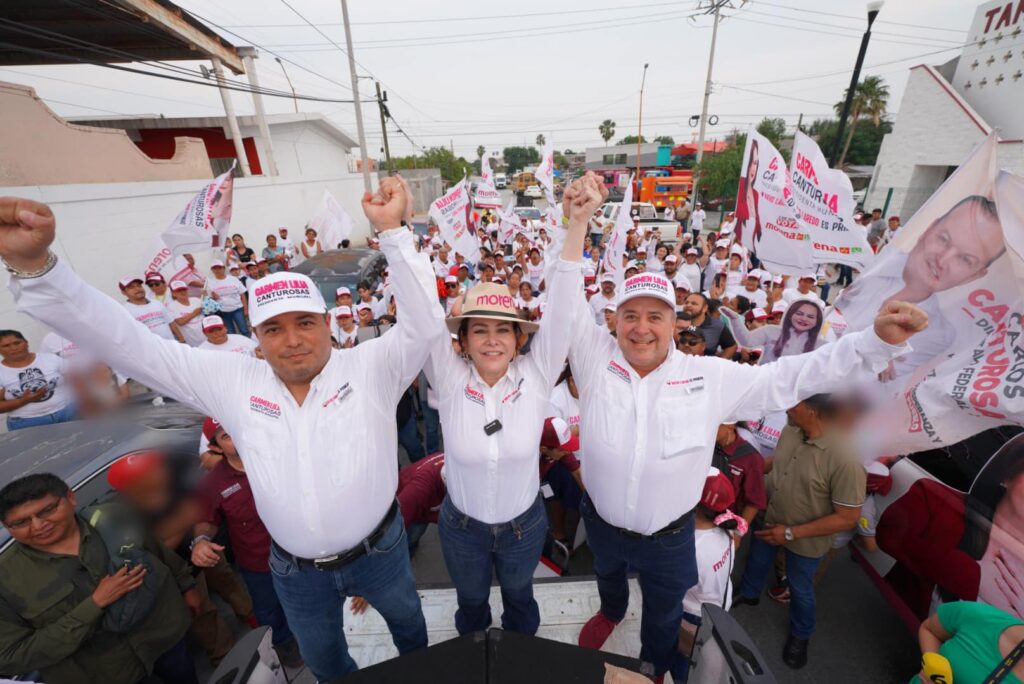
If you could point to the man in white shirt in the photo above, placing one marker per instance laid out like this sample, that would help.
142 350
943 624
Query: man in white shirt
187 313
441 263
342 297
697 220
344 328
218 338
451 291
153 315
315 428
602 299
806 288
157 288
646 468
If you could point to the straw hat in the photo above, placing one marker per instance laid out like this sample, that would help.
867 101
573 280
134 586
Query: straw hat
493 301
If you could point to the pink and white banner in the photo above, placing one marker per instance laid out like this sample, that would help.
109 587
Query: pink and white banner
200 227
545 173
825 206
450 213
486 196
611 261
331 222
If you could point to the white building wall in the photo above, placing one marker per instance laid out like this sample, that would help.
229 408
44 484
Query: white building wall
104 228
302 148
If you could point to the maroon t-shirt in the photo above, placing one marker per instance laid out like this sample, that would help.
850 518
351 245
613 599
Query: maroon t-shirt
421 490
744 467
227 498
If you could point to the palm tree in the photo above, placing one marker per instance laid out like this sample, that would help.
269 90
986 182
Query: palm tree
870 99
607 130
480 155
540 140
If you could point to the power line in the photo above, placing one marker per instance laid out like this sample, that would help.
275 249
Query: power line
783 97
75 104
761 22
804 10
854 28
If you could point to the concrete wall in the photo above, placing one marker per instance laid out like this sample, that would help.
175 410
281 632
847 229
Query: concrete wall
104 228
37 146
302 149
427 185
932 132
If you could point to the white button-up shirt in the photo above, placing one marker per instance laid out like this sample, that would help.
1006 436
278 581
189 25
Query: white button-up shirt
495 478
323 474
649 440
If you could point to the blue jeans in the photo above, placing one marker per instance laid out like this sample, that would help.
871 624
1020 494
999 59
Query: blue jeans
414 533
234 321
800 573
472 548
176 665
667 568
681 667
409 438
314 602
61 416
265 604
432 426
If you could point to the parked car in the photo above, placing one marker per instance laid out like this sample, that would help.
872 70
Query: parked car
649 216
343 268
533 191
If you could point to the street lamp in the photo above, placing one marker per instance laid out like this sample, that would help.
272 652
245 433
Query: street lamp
873 9
294 98
639 124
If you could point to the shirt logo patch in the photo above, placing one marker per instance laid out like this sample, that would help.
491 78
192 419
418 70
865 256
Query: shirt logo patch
230 490
694 384
339 396
264 406
619 372
474 396
514 395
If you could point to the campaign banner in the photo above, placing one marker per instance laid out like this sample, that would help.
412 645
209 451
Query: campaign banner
766 215
615 249
825 206
959 258
486 196
201 226
545 173
450 213
508 224
331 222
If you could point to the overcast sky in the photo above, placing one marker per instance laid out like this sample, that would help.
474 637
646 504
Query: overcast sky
473 72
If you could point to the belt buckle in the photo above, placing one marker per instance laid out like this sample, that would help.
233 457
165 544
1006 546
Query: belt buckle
325 563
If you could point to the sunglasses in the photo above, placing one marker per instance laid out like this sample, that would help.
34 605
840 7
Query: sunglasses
151 283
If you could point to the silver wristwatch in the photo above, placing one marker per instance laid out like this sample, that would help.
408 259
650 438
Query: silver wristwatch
51 261
788 533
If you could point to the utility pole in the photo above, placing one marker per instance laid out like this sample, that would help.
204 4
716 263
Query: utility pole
248 54
360 132
383 125
229 112
295 98
639 126
707 96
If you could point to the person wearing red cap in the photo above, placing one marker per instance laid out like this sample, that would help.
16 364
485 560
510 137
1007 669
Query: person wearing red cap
187 313
218 338
642 462
451 292
228 291
744 467
344 328
153 315
315 427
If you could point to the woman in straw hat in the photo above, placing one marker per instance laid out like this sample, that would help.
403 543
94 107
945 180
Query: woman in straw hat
493 402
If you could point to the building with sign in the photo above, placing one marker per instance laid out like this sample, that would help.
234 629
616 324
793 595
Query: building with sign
947 110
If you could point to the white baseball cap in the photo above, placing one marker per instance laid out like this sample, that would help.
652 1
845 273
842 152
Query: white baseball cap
671 259
128 280
216 263
177 285
211 322
611 306
722 243
451 280
343 312
736 249
283 292
593 289
608 278
683 283
779 307
693 251
809 276
342 291
647 285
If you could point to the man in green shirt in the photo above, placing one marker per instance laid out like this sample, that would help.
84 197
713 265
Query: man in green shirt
55 591
816 487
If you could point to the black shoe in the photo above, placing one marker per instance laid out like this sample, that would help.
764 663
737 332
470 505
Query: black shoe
794 653
746 601
288 654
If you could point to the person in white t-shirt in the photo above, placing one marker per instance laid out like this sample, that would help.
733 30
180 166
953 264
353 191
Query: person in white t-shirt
716 535
526 302
33 390
342 297
218 338
187 313
452 292
344 328
535 268
153 315
752 290
228 291
690 269
157 288
603 298
442 264
806 288
697 220
291 252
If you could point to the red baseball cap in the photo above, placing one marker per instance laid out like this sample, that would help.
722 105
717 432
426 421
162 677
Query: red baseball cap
557 435
127 469
718 492
209 428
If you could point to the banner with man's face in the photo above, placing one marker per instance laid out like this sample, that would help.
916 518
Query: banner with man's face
959 259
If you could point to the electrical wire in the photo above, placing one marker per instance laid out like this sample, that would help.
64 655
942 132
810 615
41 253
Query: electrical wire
848 16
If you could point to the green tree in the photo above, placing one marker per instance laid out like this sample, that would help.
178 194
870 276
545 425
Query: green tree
773 129
516 158
607 130
870 100
665 140
452 168
631 140
864 146
560 161
720 172
540 140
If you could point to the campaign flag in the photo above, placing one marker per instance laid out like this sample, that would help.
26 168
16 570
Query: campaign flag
331 222
545 173
825 206
611 260
766 216
486 196
508 224
201 226
450 213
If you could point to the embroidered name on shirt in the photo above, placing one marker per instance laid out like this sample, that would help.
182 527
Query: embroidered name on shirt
514 395
474 396
230 490
264 406
695 384
339 396
619 372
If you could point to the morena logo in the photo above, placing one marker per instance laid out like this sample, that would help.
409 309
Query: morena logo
504 301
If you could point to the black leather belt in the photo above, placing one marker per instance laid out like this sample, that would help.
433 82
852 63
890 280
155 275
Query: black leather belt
673 527
341 559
